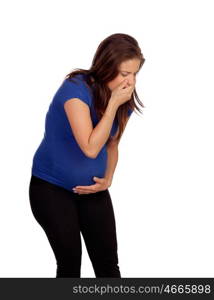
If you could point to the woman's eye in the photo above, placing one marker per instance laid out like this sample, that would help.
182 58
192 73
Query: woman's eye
124 75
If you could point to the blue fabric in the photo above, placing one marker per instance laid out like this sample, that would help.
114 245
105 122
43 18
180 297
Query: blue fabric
59 159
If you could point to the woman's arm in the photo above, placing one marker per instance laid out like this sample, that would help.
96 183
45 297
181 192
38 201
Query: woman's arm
112 151
90 139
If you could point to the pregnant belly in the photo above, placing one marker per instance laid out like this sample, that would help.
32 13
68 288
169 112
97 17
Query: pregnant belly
78 169
66 165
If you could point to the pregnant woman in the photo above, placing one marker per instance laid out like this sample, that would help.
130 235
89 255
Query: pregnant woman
74 164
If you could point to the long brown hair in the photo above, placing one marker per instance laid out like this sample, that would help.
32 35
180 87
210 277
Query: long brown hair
111 52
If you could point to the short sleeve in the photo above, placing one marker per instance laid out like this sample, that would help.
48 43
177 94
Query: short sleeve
73 89
130 111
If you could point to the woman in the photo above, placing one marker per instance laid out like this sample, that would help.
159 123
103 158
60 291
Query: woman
74 164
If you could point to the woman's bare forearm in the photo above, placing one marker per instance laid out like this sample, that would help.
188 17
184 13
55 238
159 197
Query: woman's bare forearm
111 163
100 133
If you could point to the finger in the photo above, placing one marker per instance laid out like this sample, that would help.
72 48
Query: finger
84 186
123 84
84 191
98 179
131 86
80 193
129 89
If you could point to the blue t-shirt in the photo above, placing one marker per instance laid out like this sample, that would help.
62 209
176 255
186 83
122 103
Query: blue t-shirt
59 159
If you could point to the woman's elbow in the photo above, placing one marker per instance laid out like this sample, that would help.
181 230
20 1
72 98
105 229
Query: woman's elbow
90 153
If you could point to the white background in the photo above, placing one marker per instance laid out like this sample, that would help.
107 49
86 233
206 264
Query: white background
162 190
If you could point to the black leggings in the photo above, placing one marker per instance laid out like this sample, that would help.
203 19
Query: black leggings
63 215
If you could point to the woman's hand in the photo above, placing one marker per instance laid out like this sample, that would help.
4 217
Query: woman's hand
122 92
100 185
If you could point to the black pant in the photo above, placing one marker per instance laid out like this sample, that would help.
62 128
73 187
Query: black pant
63 215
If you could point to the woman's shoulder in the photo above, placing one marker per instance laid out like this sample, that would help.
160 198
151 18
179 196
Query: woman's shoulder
78 81
73 87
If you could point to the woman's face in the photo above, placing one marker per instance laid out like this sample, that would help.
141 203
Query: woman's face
127 70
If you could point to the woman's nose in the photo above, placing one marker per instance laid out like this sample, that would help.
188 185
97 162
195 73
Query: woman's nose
132 80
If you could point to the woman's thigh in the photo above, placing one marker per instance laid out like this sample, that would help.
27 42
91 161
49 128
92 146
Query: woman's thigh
55 210
98 226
